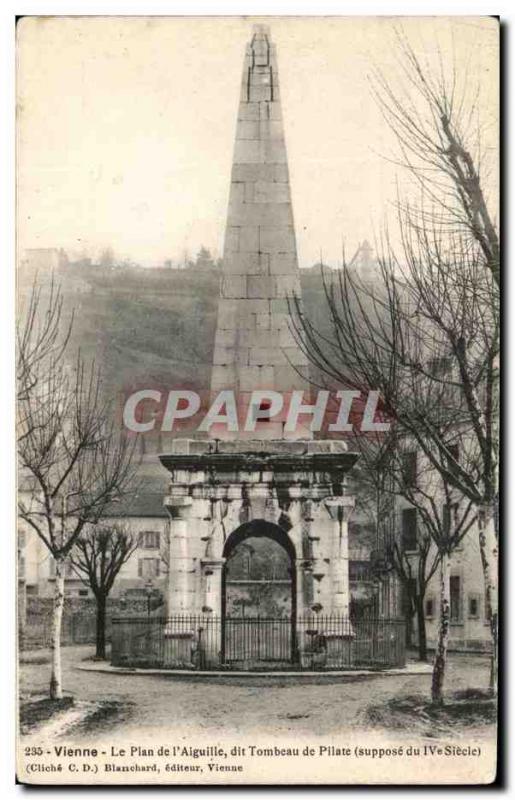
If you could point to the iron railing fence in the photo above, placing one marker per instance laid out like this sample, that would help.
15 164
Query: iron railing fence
205 642
77 628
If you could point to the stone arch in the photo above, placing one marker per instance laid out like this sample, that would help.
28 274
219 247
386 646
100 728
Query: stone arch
258 528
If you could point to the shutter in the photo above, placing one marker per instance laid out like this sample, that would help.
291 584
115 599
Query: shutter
455 592
409 468
409 529
446 518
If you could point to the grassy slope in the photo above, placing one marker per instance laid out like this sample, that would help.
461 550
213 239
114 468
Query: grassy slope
147 327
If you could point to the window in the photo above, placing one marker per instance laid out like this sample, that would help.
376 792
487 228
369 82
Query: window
409 591
149 540
148 568
21 539
409 529
473 606
21 566
430 607
83 592
455 592
409 469
68 569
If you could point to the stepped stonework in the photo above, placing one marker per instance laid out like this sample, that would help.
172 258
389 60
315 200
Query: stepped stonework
254 345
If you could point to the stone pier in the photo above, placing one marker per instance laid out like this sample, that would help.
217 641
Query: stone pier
294 489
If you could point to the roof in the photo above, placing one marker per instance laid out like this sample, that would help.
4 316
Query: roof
139 504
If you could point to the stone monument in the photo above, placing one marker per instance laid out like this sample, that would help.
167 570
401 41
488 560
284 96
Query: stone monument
272 482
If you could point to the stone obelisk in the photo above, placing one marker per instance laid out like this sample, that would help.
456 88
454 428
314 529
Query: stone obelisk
254 345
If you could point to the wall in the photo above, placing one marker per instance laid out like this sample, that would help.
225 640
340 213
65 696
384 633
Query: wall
39 567
469 632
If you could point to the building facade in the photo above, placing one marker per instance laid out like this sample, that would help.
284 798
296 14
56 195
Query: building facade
469 626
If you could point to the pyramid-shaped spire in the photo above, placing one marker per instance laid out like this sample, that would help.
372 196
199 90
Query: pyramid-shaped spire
254 348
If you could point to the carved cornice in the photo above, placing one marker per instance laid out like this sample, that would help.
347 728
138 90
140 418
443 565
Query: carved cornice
219 465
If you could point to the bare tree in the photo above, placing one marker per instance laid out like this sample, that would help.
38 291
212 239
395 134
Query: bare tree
164 548
413 562
433 114
440 143
443 517
40 338
68 444
376 501
426 336
431 352
98 556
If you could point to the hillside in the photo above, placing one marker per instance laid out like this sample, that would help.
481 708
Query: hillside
144 327
152 328
155 327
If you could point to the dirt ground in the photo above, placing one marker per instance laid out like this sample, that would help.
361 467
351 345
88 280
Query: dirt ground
159 703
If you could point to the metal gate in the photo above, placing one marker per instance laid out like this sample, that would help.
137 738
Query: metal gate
204 642
255 641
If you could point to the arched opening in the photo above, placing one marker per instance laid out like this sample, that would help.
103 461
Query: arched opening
259 596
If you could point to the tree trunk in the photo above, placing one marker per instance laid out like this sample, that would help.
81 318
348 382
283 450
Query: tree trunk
421 626
56 685
101 627
440 659
408 611
489 558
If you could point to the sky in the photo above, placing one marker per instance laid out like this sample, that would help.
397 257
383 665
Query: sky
126 126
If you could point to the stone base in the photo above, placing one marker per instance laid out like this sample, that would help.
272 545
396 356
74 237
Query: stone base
222 492
179 649
328 650
339 648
